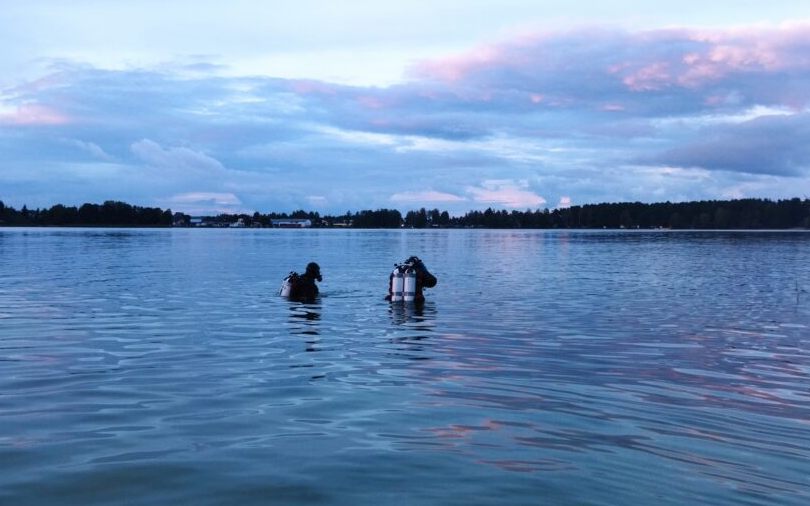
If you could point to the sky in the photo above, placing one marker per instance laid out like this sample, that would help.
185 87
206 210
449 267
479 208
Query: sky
210 107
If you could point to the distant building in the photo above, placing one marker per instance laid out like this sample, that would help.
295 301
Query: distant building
291 223
240 223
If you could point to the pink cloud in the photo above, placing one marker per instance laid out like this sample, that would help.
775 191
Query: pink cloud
35 115
425 196
650 77
719 54
506 193
457 67
565 68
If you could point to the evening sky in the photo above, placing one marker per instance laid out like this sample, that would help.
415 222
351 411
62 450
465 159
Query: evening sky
245 105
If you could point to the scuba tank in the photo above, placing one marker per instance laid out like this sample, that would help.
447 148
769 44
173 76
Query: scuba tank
286 284
409 284
396 284
406 278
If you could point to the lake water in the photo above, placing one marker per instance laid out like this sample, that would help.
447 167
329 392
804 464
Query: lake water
146 367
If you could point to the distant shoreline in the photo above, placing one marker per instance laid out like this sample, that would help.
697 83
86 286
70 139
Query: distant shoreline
370 229
742 214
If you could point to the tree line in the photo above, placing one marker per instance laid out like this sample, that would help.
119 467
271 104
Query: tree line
109 214
712 214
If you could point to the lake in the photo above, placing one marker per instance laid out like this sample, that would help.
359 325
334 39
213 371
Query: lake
147 367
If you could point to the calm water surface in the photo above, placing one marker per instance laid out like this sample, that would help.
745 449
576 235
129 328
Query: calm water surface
147 367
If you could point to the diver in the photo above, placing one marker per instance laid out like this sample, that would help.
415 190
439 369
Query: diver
407 280
302 287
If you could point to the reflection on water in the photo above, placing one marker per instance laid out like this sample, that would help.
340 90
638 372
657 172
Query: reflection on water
416 316
304 320
413 323
599 368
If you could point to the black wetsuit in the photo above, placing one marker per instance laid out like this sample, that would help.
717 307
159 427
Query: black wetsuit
424 279
304 289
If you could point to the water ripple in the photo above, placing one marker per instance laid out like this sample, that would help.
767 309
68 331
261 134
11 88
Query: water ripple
573 367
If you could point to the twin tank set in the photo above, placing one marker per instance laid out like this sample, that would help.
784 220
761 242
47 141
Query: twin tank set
402 283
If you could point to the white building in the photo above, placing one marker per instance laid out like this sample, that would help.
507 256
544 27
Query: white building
292 223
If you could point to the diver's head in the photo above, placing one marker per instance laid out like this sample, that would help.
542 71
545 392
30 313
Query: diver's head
314 271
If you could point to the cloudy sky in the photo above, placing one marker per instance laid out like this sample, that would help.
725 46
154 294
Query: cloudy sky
249 105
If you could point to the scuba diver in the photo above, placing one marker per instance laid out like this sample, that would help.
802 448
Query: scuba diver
302 287
407 280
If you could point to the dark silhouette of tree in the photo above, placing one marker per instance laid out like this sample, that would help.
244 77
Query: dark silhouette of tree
381 218
444 219
416 219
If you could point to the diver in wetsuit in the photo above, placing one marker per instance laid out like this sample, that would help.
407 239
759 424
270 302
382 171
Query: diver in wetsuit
303 287
424 279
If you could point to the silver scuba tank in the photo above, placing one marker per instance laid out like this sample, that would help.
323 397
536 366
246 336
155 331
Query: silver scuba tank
397 284
286 285
409 282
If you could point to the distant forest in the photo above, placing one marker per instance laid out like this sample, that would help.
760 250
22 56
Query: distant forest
713 214
108 214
